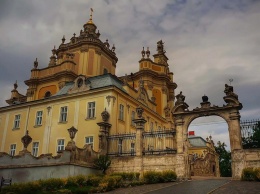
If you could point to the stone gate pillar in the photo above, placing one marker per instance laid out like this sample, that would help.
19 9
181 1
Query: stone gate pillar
179 134
235 131
140 121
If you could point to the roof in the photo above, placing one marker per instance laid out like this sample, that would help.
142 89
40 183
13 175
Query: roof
196 141
95 83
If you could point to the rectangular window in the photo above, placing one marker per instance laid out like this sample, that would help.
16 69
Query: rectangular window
120 141
17 119
63 113
60 145
90 140
91 110
35 149
121 112
38 120
132 149
132 118
12 149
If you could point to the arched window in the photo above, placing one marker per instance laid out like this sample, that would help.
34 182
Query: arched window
47 94
80 82
105 71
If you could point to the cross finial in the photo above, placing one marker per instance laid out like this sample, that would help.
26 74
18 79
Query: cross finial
91 12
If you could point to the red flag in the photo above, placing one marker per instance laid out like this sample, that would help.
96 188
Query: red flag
190 133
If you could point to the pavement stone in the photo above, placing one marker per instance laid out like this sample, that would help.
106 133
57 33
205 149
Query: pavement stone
239 187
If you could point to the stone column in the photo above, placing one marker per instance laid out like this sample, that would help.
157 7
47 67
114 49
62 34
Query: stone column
235 131
103 132
140 121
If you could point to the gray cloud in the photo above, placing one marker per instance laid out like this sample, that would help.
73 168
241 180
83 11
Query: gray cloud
207 42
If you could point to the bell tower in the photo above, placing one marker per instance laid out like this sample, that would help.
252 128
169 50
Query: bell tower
84 54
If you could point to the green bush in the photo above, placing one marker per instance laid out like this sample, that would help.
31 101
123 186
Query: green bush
153 177
109 183
159 177
23 188
71 182
248 174
127 176
93 180
52 184
81 180
80 190
257 174
169 175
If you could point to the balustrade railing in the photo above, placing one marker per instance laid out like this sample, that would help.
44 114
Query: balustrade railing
161 141
121 144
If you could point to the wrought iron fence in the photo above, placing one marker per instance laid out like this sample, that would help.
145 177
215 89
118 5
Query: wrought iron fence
161 141
250 131
121 144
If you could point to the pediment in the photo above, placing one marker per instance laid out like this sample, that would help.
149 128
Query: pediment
81 84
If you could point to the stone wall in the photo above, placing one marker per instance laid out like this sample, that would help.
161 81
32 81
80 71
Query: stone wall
25 167
26 174
143 163
244 158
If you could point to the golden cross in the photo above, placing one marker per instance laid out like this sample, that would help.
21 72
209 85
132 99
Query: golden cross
91 10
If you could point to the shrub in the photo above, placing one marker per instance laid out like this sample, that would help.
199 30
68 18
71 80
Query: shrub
93 180
153 177
80 190
52 184
169 175
158 177
81 180
257 174
71 182
109 183
248 174
22 188
102 162
130 176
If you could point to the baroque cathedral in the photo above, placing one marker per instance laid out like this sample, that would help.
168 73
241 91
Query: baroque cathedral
128 116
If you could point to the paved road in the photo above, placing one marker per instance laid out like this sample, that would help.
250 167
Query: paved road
199 185
194 187
239 187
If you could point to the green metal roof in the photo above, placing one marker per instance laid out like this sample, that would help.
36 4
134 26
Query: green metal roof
95 83
197 141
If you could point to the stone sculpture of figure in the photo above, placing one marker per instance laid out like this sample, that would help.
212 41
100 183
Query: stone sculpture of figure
228 89
160 48
180 98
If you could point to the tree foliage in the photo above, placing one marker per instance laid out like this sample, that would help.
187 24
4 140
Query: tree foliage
102 163
253 140
224 159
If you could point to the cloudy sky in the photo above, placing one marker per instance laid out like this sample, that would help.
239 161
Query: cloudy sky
207 42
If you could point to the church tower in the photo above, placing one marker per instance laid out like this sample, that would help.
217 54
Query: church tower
156 78
84 54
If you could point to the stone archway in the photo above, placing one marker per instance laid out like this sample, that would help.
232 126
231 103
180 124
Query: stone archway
183 117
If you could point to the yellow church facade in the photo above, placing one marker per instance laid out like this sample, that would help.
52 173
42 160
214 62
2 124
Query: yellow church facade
77 85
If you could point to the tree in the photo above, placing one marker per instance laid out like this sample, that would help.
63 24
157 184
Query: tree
102 163
224 159
253 140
